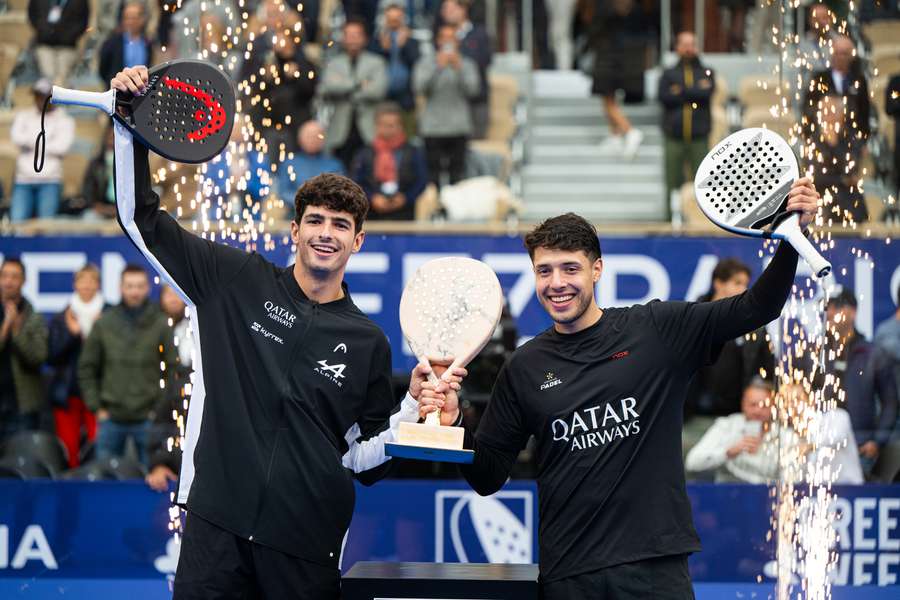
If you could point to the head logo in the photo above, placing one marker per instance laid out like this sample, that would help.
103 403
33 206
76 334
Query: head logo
496 529
342 347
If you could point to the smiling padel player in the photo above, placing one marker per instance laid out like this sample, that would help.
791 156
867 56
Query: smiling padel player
292 391
602 392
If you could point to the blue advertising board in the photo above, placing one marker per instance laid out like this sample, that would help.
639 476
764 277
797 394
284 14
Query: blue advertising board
97 539
636 269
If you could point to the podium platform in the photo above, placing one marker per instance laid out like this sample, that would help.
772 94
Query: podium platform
444 581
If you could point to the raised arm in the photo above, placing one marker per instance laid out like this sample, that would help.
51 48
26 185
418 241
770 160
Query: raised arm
196 268
693 330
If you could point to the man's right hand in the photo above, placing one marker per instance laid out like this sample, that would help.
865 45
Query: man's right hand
748 443
103 415
131 79
159 477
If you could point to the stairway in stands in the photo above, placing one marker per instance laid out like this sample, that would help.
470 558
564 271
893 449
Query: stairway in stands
565 169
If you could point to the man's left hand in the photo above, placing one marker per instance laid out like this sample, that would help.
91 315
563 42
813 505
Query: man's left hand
804 199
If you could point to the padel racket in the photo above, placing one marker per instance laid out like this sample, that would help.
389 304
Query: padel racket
449 310
185 114
742 186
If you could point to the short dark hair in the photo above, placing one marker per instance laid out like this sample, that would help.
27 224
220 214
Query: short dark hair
566 232
334 192
843 298
728 268
134 268
13 260
388 108
355 20
758 382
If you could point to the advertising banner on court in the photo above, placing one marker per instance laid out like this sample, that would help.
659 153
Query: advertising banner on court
636 269
74 538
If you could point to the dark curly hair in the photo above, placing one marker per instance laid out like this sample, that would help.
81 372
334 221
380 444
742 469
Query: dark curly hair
566 232
334 192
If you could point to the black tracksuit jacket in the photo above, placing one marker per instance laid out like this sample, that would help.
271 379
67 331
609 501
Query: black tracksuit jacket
291 398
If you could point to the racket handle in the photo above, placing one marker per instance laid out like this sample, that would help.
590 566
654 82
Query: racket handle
105 101
790 231
434 417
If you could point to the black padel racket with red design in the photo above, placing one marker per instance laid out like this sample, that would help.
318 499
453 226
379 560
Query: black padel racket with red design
185 114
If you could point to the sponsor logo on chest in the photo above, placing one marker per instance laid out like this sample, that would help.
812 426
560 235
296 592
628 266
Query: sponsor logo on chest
335 371
280 315
550 380
597 425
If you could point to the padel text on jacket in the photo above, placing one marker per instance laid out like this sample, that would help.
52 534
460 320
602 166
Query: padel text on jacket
290 397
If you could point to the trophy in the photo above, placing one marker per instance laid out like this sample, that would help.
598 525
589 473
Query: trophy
448 310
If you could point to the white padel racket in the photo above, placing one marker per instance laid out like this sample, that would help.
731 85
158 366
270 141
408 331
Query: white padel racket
742 186
449 309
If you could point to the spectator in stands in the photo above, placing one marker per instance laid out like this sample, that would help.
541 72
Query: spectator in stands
98 188
308 161
561 15
277 20
815 46
395 43
448 80
353 84
169 416
685 91
836 163
619 40
716 390
859 377
38 194
845 78
825 444
58 25
892 108
289 84
23 348
68 330
741 446
475 44
129 46
119 369
392 171
887 334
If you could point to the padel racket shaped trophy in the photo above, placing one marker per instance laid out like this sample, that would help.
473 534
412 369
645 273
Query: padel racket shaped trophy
185 114
742 186
449 309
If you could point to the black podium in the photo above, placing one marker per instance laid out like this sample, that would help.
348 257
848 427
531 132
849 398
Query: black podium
426 581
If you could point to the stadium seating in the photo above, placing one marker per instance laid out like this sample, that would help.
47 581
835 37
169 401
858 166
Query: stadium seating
40 446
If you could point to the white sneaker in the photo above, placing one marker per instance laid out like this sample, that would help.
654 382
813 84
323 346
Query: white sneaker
612 145
633 139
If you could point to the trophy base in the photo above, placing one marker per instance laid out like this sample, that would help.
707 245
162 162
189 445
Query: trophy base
426 453
430 442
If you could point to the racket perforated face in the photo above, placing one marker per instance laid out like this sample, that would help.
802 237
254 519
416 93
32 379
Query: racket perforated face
742 183
186 113
450 308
